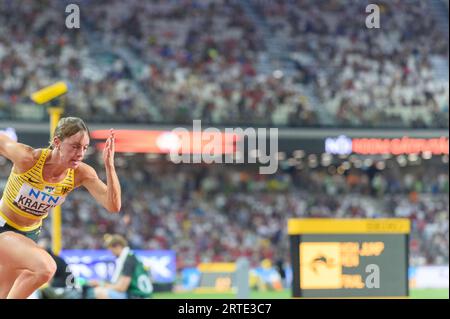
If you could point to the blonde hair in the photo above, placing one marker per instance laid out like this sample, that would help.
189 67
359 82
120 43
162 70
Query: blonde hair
114 240
68 126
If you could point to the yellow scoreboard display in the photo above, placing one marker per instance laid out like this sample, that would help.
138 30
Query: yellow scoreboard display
349 257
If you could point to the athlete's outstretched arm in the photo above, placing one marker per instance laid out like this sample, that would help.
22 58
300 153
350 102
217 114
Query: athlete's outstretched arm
108 195
16 152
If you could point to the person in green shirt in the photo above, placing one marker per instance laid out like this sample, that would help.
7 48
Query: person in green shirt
130 279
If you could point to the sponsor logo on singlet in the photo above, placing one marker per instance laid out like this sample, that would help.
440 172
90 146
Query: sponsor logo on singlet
37 202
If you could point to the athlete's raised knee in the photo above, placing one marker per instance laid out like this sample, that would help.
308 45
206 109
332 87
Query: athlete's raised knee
44 268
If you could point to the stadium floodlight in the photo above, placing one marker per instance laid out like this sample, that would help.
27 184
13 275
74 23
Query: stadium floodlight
43 96
49 93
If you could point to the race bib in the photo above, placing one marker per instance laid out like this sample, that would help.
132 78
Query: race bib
37 202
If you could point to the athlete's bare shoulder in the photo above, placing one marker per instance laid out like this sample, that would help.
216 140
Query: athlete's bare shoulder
22 155
82 172
28 159
35 152
13 150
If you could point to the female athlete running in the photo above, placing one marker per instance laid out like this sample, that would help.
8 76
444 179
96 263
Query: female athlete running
41 179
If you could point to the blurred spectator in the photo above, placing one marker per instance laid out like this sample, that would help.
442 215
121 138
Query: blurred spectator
171 62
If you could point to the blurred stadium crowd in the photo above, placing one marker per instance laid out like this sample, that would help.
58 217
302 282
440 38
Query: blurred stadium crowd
174 61
217 213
